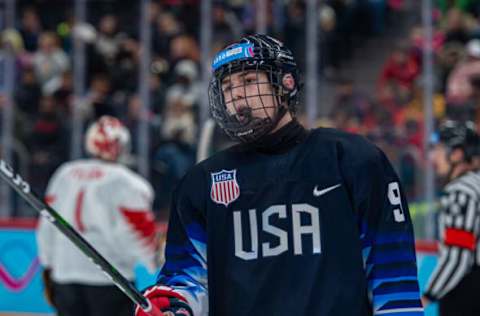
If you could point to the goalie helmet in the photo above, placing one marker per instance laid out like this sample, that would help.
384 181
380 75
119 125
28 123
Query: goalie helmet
107 139
258 53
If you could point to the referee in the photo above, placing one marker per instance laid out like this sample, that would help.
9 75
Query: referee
455 282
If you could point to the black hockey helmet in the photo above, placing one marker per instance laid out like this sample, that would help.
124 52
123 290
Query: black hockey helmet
457 134
259 53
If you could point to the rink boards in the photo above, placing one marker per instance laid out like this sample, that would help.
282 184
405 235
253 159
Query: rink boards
21 289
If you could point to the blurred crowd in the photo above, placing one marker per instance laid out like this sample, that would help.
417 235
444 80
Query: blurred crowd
43 43
394 116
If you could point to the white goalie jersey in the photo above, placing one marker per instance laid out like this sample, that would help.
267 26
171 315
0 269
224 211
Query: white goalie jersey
110 206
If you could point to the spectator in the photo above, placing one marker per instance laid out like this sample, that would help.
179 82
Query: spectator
167 28
456 30
226 25
448 57
470 109
464 5
377 10
295 30
344 27
401 69
134 118
99 101
329 41
47 143
107 43
178 121
186 79
30 29
184 47
28 93
66 31
12 39
11 43
157 94
49 62
350 105
126 66
459 88
171 161
417 39
176 153
20 122
64 94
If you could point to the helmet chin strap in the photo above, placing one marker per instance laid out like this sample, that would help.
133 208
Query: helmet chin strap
268 131
282 107
246 118
281 111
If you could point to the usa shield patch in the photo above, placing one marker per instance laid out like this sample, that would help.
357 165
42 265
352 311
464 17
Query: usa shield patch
225 187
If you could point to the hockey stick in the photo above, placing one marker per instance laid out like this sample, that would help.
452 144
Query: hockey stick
23 188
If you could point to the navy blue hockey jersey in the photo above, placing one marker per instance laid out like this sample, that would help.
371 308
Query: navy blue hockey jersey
322 230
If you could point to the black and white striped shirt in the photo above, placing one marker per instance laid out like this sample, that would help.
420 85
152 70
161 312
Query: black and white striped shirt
459 225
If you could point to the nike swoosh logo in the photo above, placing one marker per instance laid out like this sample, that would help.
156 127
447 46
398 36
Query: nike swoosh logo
317 192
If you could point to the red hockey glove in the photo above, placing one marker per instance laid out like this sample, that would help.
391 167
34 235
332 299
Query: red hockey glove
166 300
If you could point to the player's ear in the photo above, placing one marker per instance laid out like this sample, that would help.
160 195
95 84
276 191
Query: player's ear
288 82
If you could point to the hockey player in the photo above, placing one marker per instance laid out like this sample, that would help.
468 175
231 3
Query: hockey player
289 221
110 206
455 282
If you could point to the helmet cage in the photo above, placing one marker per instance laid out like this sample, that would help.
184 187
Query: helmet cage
253 126
275 60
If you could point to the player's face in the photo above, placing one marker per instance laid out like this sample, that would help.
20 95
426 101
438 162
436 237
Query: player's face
439 159
247 91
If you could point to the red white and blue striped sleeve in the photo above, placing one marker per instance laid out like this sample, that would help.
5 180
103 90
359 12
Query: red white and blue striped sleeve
386 234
